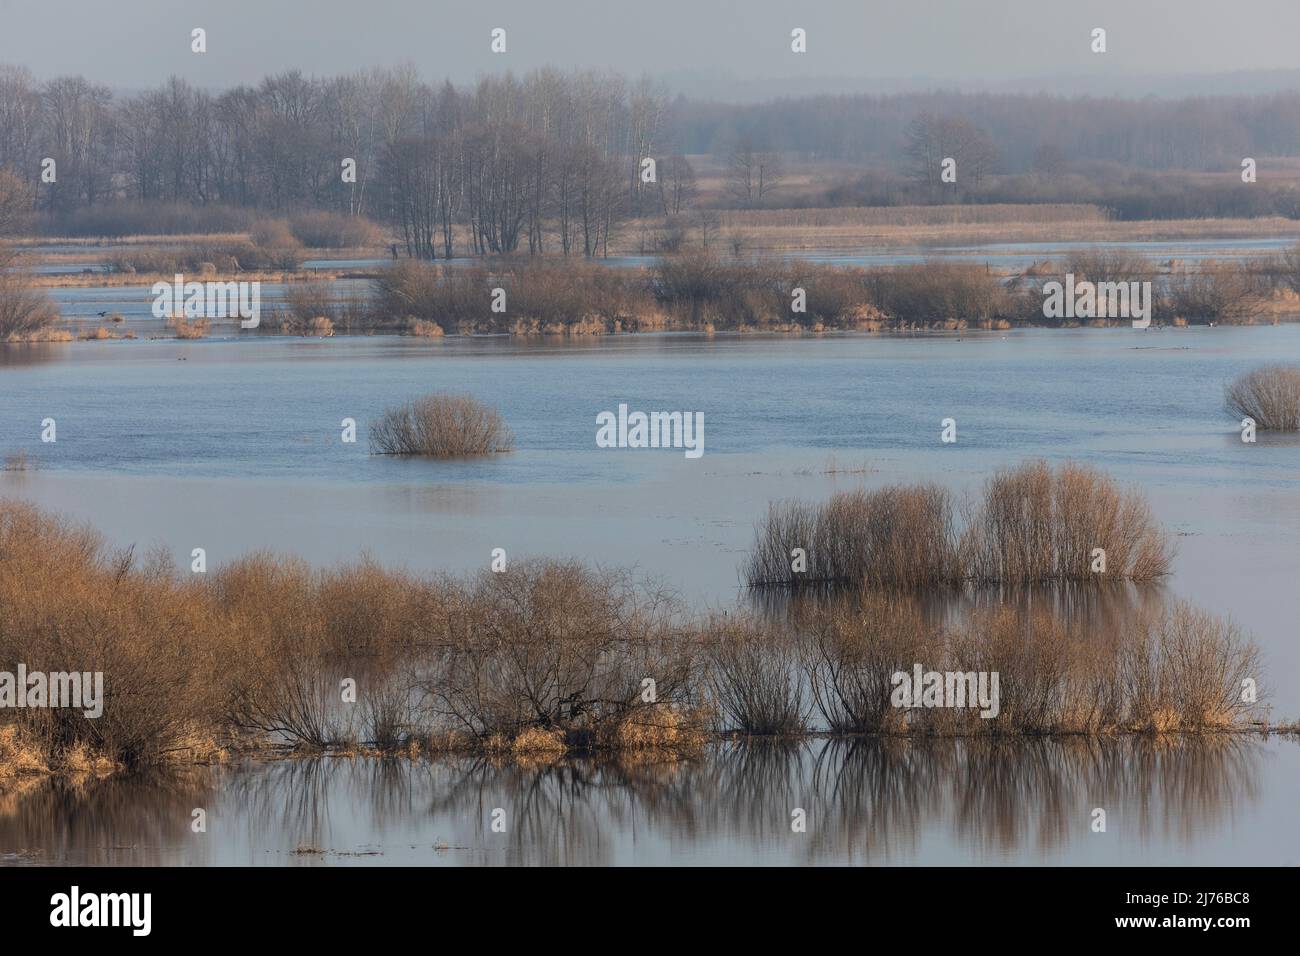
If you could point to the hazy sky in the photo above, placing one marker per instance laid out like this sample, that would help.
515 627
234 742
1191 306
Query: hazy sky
701 46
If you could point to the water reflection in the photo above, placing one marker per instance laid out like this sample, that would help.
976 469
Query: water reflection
867 800
32 353
1093 607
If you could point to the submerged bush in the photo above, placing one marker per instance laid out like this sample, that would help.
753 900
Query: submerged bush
1269 395
440 426
753 678
551 654
557 647
1031 524
26 313
898 536
1176 669
1034 524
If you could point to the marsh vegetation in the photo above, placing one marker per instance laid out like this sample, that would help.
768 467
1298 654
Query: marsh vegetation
546 657
1269 395
441 425
1031 524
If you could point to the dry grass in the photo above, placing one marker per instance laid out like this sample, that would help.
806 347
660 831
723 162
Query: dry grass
207 258
19 755
189 328
440 426
1270 395
537 741
853 228
660 728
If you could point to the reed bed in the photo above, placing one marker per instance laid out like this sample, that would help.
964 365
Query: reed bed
1030 524
1269 395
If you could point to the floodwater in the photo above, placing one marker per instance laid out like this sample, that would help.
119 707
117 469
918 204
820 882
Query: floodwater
1230 801
234 445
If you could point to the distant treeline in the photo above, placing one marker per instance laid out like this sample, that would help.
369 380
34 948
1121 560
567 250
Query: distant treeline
497 159
1030 131
553 161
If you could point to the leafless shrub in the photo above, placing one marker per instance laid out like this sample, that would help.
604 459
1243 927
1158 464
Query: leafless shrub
440 426
26 313
314 308
320 229
850 651
940 292
1100 265
1221 291
451 298
555 646
68 604
1033 524
1186 671
754 678
898 536
189 328
1270 395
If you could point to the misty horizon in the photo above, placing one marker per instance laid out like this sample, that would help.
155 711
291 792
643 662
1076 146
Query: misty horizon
721 51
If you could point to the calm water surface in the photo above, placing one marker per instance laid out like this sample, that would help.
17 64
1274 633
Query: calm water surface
869 801
233 445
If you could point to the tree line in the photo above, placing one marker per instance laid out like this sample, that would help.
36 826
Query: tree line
552 161
498 159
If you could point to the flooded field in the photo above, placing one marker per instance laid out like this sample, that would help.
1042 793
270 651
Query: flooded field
235 446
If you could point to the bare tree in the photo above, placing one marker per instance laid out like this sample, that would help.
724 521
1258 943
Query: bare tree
752 176
676 184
